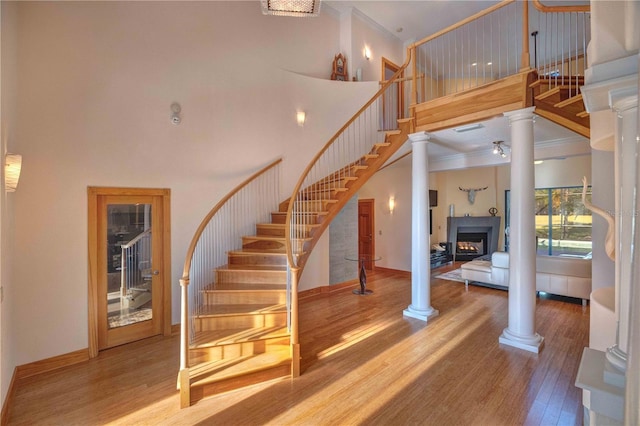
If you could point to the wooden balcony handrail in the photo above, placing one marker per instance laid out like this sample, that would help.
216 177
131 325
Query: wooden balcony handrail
560 9
462 23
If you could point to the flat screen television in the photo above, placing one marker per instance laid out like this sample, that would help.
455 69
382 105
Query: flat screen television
433 198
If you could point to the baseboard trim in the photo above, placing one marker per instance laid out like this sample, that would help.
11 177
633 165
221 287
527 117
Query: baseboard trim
8 401
50 364
327 288
393 271
175 329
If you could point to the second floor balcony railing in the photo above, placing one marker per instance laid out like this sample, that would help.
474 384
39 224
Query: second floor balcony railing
503 40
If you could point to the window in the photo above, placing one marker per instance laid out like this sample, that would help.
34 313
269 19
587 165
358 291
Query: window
563 223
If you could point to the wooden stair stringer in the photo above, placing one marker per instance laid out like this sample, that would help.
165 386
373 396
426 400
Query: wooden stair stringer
393 141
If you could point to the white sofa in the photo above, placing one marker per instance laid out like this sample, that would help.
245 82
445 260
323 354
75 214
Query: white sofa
563 276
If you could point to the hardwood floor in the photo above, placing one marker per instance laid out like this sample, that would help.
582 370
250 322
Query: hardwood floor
363 363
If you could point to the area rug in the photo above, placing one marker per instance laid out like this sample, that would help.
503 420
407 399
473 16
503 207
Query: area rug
455 275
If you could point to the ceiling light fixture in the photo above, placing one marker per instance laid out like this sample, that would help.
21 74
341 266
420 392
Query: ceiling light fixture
296 8
498 149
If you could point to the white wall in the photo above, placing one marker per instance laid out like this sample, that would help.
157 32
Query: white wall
602 196
393 231
8 90
617 30
381 44
96 80
567 172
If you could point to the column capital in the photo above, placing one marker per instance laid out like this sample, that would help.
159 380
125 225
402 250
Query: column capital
419 137
520 114
623 99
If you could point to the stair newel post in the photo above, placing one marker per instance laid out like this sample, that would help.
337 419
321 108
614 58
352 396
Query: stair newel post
525 36
183 375
295 342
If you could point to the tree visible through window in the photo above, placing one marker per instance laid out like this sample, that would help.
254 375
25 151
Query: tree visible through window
563 224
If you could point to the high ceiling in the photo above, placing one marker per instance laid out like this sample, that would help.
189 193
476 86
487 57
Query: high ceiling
413 20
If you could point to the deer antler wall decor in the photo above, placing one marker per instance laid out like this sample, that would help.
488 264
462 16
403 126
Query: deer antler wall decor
471 192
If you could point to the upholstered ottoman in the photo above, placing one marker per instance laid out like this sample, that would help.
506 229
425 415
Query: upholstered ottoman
476 270
495 272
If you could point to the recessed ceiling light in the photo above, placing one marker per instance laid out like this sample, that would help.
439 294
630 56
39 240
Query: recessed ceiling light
538 162
489 63
474 64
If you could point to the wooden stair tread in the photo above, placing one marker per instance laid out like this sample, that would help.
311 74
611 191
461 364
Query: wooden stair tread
245 287
308 213
206 339
219 310
571 100
393 132
553 91
215 371
283 225
582 114
315 190
260 268
245 252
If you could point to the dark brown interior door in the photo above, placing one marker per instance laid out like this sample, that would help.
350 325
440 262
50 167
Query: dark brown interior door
366 242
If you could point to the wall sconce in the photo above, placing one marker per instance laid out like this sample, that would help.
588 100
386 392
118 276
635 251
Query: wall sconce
12 167
367 53
392 204
301 117
176 109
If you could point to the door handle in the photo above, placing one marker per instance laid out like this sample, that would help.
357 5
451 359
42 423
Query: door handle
155 272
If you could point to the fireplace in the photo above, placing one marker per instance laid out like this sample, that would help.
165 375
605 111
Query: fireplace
473 236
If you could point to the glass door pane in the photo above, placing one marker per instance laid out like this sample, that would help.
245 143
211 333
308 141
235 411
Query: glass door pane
129 264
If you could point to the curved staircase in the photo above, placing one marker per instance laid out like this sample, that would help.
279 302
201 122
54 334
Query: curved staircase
240 332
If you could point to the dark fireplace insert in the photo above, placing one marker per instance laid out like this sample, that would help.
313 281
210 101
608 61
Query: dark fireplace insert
470 245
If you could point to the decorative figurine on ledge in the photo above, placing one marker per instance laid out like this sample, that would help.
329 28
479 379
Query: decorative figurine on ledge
340 68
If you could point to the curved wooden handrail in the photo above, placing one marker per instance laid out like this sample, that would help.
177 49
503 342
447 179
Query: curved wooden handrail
214 210
559 9
136 239
463 22
324 149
